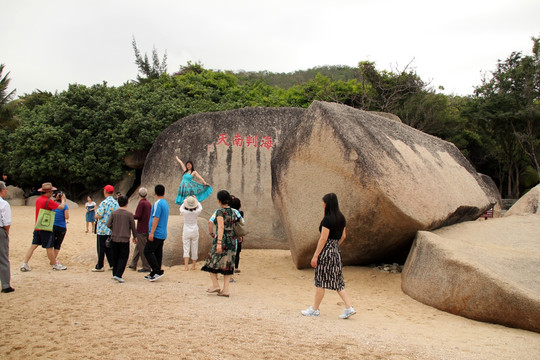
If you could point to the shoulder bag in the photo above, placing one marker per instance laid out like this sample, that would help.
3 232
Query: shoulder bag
239 229
45 220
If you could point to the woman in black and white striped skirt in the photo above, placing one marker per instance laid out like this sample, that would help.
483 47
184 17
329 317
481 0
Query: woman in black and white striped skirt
327 259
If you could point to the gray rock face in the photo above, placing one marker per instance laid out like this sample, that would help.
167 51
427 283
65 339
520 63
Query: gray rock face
391 181
483 270
231 150
527 204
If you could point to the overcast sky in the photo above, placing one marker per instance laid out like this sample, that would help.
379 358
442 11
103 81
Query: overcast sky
48 45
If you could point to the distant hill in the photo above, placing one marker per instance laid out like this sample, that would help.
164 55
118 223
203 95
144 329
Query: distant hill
287 80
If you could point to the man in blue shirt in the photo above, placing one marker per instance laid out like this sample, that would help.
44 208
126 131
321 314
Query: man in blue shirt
157 224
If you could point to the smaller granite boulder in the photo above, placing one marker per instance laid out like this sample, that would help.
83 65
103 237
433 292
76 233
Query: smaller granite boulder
31 201
482 270
15 196
136 159
527 204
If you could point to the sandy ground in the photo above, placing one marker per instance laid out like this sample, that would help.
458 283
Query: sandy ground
78 314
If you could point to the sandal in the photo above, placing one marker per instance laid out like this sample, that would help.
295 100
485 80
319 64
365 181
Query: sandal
216 290
222 294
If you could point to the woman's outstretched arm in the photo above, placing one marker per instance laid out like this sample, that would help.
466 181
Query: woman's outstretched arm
181 164
196 174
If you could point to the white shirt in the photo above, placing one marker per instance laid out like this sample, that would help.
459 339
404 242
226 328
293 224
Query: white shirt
5 213
190 219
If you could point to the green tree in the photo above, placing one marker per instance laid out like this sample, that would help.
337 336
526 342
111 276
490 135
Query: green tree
508 104
323 88
387 90
36 98
6 112
149 70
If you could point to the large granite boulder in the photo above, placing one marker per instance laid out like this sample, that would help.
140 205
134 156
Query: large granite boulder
231 150
391 181
485 271
527 204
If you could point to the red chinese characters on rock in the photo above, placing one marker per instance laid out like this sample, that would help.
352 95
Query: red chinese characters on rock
266 142
222 139
250 140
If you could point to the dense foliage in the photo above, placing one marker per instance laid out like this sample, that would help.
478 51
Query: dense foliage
78 138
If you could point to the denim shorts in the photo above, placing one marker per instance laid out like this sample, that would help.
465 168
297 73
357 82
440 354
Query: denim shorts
43 238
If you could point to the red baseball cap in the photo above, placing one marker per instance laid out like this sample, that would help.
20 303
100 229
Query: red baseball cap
109 188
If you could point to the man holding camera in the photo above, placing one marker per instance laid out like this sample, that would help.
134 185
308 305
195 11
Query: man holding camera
43 237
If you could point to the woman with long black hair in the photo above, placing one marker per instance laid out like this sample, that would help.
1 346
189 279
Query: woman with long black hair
222 254
327 258
189 187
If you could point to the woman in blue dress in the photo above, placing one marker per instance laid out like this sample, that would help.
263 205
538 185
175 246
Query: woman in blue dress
189 187
90 214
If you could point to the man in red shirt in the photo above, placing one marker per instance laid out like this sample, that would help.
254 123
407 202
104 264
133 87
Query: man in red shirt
41 237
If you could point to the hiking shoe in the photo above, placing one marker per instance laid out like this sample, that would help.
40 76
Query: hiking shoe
59 266
25 267
347 313
155 277
310 312
97 270
118 278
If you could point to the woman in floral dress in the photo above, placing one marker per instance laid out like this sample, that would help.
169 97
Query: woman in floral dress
222 254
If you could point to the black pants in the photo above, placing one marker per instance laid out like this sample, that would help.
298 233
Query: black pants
120 256
153 251
103 251
59 234
238 250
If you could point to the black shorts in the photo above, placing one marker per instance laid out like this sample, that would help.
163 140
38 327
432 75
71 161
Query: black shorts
59 234
43 238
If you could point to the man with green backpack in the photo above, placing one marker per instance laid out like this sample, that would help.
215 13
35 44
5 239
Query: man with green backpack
42 235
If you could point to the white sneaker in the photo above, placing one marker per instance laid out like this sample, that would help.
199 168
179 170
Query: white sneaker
25 267
59 266
347 313
310 312
97 270
118 278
